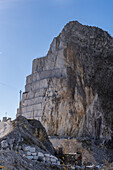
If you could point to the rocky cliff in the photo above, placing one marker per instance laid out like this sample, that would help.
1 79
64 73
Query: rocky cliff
71 89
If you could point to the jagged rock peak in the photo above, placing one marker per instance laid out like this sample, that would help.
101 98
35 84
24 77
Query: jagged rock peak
84 36
73 26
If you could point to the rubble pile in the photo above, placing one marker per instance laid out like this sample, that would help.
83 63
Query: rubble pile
27 145
31 153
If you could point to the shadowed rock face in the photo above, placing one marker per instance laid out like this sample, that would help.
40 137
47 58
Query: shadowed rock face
71 89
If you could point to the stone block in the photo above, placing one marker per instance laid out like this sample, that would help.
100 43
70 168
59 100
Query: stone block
77 167
58 162
11 146
28 87
30 95
29 157
40 92
19 147
28 153
11 141
49 162
53 157
15 147
97 167
33 101
40 154
21 152
33 107
7 149
26 148
47 155
29 79
28 115
38 113
48 159
35 157
43 159
58 72
40 84
53 160
34 154
23 155
35 77
90 167
32 149
24 96
38 118
60 61
38 64
54 163
4 144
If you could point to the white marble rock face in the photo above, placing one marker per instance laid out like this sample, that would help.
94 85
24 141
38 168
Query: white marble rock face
64 91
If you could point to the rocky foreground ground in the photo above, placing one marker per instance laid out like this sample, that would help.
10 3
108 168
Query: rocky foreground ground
11 160
25 145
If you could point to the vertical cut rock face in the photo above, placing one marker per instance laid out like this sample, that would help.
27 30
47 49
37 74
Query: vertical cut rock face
71 89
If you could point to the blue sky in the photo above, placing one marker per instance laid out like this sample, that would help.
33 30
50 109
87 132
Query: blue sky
27 27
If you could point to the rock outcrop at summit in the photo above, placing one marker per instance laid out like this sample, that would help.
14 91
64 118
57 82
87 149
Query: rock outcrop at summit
71 89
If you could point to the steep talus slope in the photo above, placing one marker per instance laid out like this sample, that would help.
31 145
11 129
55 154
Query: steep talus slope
25 134
71 89
32 132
